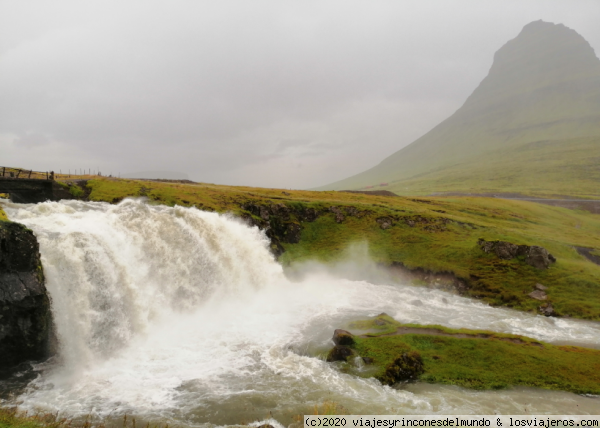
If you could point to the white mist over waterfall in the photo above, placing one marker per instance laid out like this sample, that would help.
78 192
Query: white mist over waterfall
181 314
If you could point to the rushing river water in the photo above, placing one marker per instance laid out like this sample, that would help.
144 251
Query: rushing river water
180 315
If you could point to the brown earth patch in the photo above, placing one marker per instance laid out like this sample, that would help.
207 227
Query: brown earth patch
587 253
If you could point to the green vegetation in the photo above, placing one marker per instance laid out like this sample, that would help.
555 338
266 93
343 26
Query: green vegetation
437 234
3 216
473 358
76 191
540 168
10 418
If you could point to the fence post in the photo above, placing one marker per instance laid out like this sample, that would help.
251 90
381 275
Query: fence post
19 173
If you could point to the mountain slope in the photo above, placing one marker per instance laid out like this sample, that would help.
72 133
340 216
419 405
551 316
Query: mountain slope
543 90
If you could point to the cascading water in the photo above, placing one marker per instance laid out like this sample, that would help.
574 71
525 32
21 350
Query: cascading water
183 315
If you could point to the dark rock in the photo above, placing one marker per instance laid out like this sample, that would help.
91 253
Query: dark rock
339 353
535 256
367 360
281 210
351 211
265 426
339 217
547 310
276 220
538 295
343 337
25 316
292 233
539 257
385 222
264 212
310 214
506 250
408 366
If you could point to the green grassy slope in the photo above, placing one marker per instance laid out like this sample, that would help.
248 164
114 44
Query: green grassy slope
541 99
541 168
443 237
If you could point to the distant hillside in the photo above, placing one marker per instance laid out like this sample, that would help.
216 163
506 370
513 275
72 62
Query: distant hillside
531 126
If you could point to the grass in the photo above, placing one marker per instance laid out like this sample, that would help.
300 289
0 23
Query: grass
539 168
442 238
3 216
487 360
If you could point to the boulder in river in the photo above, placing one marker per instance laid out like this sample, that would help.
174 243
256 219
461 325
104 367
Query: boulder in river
339 353
343 337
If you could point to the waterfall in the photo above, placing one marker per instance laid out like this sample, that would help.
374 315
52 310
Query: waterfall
112 269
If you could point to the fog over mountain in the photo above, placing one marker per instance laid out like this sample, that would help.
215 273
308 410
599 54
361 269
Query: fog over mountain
265 93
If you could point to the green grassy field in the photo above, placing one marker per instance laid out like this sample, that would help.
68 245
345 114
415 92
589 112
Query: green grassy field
473 358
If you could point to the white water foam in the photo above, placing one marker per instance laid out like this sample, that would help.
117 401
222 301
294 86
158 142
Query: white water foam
183 315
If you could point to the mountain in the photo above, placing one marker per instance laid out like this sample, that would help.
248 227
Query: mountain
531 126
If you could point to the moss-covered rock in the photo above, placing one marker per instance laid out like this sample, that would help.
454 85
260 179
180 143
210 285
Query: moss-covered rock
408 366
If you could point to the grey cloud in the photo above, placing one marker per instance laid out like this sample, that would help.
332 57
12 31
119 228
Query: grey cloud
237 92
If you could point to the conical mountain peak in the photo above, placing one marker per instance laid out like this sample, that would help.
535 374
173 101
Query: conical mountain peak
542 55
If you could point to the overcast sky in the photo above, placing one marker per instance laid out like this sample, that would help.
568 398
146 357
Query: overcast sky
288 94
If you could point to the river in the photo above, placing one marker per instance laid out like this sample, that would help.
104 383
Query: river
184 316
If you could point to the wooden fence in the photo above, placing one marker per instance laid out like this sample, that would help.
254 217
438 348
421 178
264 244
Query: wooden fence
8 172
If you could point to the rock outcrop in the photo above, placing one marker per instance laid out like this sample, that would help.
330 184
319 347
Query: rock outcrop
25 316
281 223
533 255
